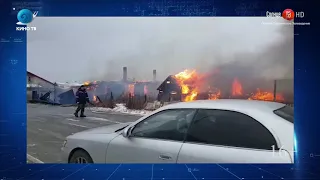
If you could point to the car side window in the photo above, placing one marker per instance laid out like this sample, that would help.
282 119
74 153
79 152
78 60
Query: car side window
168 125
229 128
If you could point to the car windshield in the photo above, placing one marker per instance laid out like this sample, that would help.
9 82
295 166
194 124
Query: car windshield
286 113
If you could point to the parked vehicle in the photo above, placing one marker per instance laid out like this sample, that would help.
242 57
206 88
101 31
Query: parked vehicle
219 131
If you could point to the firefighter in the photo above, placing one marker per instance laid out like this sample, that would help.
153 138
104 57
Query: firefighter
81 99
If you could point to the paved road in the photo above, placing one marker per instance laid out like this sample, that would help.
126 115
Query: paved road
49 125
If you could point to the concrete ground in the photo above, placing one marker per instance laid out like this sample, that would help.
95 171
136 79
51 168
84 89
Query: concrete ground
48 126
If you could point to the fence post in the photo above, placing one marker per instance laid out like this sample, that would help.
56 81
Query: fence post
38 92
54 92
275 90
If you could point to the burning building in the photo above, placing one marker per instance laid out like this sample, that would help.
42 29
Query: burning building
190 85
105 90
120 89
98 91
169 90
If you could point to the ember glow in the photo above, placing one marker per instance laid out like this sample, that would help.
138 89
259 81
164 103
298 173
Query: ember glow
131 89
95 99
215 96
145 89
192 84
236 87
266 96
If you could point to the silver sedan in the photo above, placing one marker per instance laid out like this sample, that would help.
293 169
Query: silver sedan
221 131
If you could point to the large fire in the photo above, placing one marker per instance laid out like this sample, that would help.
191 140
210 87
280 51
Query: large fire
184 76
266 96
192 84
186 80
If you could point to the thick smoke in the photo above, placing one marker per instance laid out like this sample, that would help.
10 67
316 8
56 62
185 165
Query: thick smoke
253 67
273 61
256 69
239 47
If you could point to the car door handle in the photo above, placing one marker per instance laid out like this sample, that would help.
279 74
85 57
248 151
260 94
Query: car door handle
165 157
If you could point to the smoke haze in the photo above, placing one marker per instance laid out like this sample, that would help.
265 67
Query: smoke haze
92 48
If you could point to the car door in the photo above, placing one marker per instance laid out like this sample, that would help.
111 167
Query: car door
218 136
156 139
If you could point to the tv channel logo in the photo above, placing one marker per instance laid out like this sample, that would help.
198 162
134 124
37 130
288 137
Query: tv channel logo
25 16
288 14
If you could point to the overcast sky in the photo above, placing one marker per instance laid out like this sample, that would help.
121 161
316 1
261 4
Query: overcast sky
65 49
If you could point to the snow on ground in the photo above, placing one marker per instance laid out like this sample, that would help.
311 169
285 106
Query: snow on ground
69 85
121 108
33 85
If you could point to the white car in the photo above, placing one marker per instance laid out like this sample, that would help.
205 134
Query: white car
219 131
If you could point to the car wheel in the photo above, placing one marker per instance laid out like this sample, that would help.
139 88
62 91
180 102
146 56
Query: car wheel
80 157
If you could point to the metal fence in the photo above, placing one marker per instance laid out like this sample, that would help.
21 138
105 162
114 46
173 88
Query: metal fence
282 87
280 90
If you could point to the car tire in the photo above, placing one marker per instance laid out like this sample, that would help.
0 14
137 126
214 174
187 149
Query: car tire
80 157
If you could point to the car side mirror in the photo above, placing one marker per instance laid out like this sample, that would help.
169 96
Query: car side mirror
126 132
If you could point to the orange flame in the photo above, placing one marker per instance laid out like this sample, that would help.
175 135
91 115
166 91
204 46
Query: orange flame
191 83
266 96
86 83
182 79
131 89
191 96
184 76
94 99
215 96
236 87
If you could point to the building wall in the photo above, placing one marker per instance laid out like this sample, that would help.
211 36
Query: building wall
35 80
43 86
